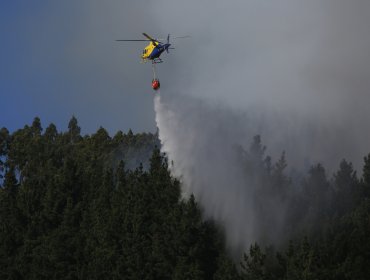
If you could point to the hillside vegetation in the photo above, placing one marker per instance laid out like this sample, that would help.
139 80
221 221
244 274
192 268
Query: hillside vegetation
101 207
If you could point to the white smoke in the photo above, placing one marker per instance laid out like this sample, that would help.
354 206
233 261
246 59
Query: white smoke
201 154
294 72
201 143
201 140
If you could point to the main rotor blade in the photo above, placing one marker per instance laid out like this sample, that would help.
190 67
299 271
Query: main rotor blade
178 37
150 38
181 37
155 42
133 40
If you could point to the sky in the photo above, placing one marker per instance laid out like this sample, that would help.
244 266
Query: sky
306 62
60 58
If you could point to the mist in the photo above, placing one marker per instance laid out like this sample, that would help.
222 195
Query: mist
203 159
297 73
303 69
205 144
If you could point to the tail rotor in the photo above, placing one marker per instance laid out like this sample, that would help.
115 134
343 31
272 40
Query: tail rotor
167 46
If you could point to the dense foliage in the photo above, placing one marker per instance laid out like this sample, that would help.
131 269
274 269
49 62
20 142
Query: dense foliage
83 207
325 233
68 210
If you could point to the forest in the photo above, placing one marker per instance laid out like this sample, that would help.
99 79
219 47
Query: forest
93 206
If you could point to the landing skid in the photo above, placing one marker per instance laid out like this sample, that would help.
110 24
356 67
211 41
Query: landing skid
156 61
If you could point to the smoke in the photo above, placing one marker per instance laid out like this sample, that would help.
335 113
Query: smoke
205 143
295 72
202 156
300 71
308 57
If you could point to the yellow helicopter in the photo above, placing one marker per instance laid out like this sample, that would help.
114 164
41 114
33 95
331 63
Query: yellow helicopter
155 48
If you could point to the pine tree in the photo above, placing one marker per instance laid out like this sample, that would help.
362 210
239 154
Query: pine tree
366 177
4 146
346 189
254 264
11 228
317 198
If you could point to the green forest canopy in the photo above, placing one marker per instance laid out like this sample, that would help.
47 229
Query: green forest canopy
83 207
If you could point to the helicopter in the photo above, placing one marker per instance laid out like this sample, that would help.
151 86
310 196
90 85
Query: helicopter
153 52
155 48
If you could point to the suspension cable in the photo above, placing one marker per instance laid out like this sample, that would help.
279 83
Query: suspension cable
154 72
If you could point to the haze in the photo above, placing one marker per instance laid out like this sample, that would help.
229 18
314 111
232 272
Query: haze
295 72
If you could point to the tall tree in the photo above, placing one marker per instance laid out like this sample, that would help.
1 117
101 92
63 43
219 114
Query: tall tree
74 130
346 189
11 227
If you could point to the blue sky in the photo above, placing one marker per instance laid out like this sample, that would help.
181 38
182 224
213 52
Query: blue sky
54 65
303 60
